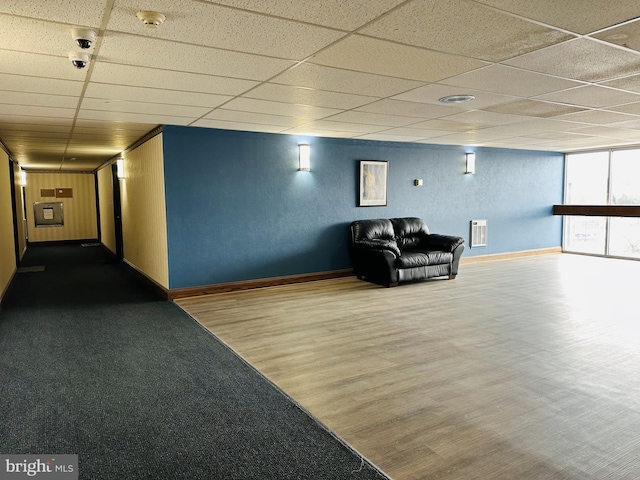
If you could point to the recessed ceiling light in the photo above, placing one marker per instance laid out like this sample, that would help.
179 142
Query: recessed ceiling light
457 98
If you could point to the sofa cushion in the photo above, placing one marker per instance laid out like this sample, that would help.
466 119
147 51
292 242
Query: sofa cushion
411 259
409 231
381 228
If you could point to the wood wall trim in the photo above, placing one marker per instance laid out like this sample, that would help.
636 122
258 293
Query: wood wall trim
259 283
311 277
598 210
508 255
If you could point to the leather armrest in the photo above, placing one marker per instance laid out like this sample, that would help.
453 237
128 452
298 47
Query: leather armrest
446 243
379 244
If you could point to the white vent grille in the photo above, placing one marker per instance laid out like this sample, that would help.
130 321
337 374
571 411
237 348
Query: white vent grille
478 233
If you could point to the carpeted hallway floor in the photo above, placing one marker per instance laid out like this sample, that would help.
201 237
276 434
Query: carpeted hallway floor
92 363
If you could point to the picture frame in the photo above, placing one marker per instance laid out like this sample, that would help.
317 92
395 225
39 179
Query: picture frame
373 180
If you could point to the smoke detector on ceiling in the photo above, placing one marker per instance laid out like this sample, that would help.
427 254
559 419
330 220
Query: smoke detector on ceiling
151 19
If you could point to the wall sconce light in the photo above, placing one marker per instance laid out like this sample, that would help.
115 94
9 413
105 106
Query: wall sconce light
471 163
23 178
305 157
120 168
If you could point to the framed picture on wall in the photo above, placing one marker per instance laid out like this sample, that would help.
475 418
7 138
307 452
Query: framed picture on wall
373 183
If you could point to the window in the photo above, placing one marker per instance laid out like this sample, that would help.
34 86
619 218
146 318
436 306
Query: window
603 178
587 179
624 233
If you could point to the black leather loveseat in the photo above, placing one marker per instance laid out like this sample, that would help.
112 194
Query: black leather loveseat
388 251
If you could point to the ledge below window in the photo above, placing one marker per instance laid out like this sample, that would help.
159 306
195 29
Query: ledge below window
598 210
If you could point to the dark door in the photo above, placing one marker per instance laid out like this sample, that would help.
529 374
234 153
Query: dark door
117 212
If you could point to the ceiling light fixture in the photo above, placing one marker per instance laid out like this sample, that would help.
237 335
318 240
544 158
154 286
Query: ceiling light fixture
457 99
151 19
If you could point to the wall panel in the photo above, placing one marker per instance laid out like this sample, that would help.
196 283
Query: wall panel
80 217
7 244
144 222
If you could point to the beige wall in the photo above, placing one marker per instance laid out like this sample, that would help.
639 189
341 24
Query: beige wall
80 217
105 196
22 222
7 245
144 220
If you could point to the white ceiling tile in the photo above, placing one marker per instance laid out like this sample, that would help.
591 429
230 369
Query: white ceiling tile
47 38
30 135
279 108
444 125
627 35
630 84
317 132
410 109
36 99
21 83
416 132
510 81
534 108
159 109
530 127
445 140
308 96
612 132
344 81
196 23
629 124
131 117
227 125
384 137
483 119
486 34
128 75
88 14
380 57
372 119
580 16
631 108
88 126
591 96
598 117
338 126
134 50
38 111
331 13
433 92
37 65
254 118
19 126
581 59
154 95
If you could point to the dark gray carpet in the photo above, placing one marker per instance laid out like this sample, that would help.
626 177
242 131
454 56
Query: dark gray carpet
92 363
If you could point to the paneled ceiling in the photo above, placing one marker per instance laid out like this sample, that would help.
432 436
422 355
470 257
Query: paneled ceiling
546 74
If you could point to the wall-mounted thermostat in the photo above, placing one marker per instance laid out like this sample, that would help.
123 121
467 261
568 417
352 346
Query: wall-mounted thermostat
417 182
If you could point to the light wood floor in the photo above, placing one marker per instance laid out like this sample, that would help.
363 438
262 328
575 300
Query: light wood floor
526 368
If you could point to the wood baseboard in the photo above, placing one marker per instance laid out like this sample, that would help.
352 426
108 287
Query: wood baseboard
259 283
508 255
173 294
162 291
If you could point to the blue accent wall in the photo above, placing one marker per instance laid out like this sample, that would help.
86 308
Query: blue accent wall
238 208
